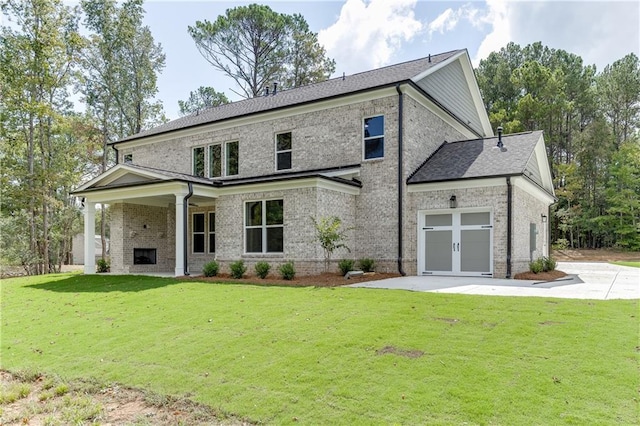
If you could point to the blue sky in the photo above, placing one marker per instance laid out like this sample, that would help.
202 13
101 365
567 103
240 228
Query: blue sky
365 34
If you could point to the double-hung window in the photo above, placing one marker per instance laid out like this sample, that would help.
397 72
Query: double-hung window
212 232
283 151
374 137
203 225
232 156
198 233
223 159
215 160
264 226
198 161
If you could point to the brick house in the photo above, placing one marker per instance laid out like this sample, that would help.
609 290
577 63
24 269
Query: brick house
404 155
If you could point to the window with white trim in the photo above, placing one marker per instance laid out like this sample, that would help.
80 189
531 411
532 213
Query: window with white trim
198 161
283 151
232 156
264 226
212 232
373 131
197 233
215 160
128 158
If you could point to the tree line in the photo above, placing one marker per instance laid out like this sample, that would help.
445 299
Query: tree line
590 122
101 53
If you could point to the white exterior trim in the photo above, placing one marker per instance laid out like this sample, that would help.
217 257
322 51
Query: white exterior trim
533 189
457 184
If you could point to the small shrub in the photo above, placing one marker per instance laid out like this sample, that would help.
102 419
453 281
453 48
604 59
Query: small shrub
345 265
561 244
238 269
536 266
549 263
211 269
367 265
102 266
287 271
262 269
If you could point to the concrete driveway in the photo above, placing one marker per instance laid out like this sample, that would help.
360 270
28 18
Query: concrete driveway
588 280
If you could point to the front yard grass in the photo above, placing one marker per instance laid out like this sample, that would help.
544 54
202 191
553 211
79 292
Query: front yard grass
281 355
627 263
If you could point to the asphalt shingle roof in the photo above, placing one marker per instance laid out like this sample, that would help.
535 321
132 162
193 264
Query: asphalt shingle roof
478 158
339 86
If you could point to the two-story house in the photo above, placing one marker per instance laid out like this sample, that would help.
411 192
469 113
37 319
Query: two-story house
404 155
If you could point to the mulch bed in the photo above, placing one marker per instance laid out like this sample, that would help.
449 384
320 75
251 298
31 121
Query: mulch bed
321 280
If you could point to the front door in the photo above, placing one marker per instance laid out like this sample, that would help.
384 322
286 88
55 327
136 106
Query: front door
456 243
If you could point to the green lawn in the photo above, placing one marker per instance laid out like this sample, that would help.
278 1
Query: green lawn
333 355
627 263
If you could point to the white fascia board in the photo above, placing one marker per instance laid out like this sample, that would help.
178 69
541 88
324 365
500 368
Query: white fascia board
109 195
116 172
285 185
285 112
472 82
447 118
436 67
532 189
543 164
457 184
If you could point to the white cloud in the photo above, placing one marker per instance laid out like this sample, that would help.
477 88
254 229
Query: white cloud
497 17
368 32
449 19
600 32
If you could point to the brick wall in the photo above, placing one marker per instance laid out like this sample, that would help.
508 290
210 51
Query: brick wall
493 198
138 226
527 210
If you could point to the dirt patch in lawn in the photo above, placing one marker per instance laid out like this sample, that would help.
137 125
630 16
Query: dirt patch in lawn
35 399
409 353
321 280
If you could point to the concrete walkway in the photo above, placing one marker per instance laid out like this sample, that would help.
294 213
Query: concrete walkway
602 281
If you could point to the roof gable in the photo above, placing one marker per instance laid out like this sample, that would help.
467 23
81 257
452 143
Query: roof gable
452 84
482 158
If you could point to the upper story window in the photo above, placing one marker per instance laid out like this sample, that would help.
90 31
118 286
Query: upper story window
232 157
264 226
223 159
128 158
374 137
215 160
283 151
198 161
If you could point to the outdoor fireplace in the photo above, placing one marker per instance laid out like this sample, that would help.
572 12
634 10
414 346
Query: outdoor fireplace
144 256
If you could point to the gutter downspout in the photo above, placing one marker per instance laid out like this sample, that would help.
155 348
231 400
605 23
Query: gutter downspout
185 223
117 154
400 179
509 218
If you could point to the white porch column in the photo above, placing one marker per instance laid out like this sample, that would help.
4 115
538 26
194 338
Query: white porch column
180 248
89 237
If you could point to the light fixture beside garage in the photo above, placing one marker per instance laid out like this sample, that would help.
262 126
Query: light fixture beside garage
453 203
544 218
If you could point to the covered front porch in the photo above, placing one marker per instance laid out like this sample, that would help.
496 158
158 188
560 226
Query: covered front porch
149 217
